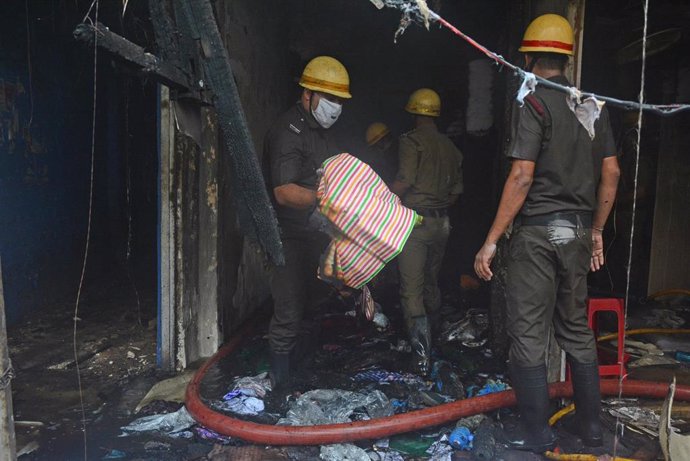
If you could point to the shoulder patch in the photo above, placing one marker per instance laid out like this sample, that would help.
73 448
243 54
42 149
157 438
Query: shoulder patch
536 105
294 129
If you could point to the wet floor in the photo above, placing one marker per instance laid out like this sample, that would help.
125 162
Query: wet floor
338 351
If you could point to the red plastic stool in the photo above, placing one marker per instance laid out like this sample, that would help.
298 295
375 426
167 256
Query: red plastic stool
617 305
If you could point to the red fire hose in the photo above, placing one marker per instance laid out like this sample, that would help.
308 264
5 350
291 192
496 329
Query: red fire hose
382 427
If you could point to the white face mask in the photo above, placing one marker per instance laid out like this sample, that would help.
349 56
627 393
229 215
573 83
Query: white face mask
327 112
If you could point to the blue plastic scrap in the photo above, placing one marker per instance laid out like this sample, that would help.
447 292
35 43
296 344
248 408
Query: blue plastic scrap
461 438
490 387
115 454
385 377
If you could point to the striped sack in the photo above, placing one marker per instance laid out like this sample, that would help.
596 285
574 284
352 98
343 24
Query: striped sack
373 223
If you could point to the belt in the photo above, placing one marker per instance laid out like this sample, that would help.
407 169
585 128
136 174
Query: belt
432 212
575 218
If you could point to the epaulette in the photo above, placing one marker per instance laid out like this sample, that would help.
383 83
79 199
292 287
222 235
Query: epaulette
534 102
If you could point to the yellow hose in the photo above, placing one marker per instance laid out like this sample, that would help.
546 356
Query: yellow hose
647 331
580 457
561 413
573 457
671 292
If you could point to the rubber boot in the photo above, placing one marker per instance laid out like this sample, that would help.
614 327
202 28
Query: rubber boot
533 432
587 396
420 341
280 369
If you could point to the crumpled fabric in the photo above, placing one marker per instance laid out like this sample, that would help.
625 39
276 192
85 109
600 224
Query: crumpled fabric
587 111
529 84
373 224
241 402
343 452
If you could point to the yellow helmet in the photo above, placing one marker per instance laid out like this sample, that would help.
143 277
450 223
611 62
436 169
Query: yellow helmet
327 75
548 33
424 101
376 132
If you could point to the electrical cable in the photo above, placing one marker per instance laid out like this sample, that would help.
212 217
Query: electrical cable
29 67
621 374
88 227
411 10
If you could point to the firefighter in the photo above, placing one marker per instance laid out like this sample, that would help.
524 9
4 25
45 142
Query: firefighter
558 195
296 145
429 180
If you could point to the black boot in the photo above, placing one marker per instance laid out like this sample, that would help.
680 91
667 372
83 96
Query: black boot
280 369
420 340
533 433
587 398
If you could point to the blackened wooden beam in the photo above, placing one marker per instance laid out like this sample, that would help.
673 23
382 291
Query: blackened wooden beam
119 46
256 214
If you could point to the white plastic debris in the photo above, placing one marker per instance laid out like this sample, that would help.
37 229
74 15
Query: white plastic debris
587 111
331 406
529 84
343 452
169 423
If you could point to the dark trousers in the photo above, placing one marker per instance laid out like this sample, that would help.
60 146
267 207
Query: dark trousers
294 287
547 284
419 264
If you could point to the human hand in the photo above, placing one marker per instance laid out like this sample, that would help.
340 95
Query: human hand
597 250
482 262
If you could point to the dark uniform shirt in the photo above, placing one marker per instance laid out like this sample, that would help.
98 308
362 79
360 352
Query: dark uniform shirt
431 165
294 149
568 161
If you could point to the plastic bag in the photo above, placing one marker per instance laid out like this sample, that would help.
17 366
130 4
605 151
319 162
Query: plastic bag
461 438
440 450
260 384
330 406
343 452
169 423
469 330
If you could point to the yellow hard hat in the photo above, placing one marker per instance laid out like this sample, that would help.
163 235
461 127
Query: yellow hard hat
424 101
327 75
376 132
549 33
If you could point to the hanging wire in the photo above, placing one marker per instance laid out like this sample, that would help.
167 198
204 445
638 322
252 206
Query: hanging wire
621 335
29 66
88 226
412 13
